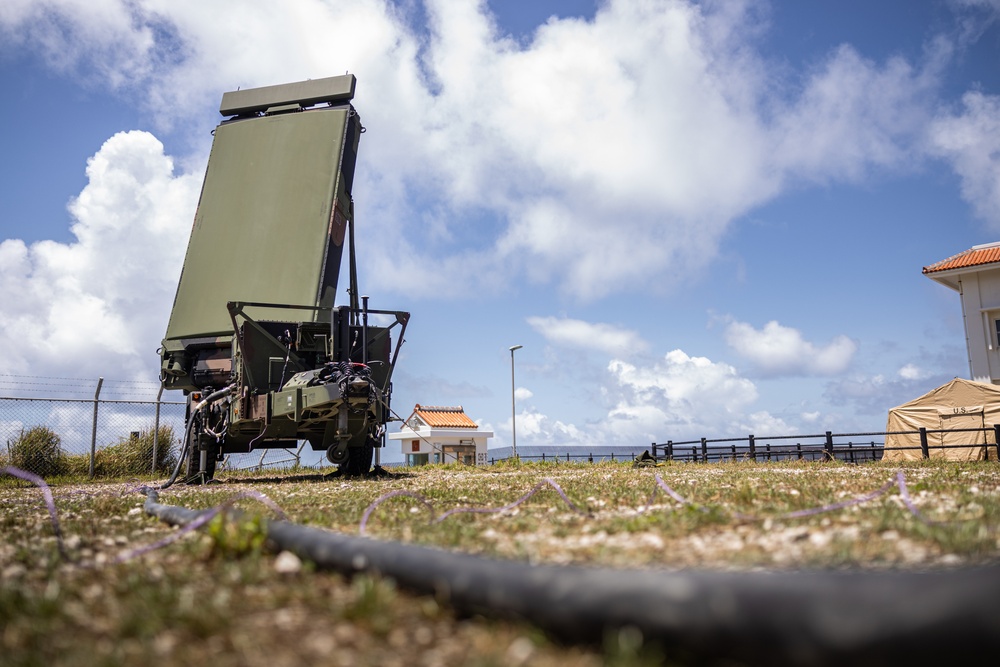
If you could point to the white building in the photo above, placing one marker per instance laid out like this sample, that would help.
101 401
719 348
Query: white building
975 275
441 435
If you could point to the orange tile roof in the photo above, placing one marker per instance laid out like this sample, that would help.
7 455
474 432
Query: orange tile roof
976 256
443 417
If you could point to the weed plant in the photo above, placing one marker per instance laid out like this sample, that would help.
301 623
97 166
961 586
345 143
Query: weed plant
134 455
37 450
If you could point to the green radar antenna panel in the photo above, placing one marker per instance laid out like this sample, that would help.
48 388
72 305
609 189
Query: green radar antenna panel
255 339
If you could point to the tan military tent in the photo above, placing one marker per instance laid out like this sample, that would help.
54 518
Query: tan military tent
959 404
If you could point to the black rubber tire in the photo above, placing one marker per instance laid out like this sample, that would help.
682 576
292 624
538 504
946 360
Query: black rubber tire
194 464
359 460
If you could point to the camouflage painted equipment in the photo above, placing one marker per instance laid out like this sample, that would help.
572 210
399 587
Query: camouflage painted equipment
255 313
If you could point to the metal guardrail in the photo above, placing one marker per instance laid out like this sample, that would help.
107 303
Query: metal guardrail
826 446
86 425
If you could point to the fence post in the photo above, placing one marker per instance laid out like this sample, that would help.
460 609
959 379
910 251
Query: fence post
704 449
768 448
156 426
798 448
298 454
753 447
670 449
93 432
850 448
923 443
829 446
996 440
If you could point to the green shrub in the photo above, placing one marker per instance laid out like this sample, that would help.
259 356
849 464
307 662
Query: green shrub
134 455
77 465
37 450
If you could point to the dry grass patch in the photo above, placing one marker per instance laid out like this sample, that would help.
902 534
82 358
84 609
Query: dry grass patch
220 597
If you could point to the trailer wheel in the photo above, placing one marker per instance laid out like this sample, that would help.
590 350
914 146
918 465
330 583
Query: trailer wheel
194 472
337 455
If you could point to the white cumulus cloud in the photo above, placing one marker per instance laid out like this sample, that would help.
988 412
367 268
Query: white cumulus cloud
523 393
103 300
677 397
970 140
683 396
607 338
912 372
602 155
781 350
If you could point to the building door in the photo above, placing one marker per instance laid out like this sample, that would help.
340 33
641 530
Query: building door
952 435
465 454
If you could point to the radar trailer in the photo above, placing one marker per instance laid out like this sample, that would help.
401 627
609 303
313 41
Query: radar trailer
255 340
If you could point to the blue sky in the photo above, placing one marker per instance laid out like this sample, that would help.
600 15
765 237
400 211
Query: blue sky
699 219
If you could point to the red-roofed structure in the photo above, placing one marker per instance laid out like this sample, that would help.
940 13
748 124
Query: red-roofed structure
975 275
972 259
437 434
443 417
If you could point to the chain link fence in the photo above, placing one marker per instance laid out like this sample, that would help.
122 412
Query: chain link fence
98 437
123 428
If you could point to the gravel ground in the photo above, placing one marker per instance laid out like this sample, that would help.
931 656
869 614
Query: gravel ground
220 596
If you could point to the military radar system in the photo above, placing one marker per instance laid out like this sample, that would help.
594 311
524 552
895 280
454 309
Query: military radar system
255 340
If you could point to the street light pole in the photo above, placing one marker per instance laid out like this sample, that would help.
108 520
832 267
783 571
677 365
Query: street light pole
513 409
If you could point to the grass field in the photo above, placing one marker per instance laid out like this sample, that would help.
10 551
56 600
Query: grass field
220 597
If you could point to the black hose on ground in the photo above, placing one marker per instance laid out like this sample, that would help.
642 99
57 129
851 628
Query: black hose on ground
769 618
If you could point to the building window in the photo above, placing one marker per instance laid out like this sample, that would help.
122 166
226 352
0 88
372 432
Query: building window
415 446
416 459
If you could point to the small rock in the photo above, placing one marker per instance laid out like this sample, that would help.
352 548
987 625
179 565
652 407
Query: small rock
14 571
520 650
287 563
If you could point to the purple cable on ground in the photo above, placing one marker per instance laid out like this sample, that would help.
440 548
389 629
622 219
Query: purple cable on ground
392 494
262 498
835 506
798 513
170 539
899 481
194 525
534 490
460 510
50 503
673 494
199 522
905 495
